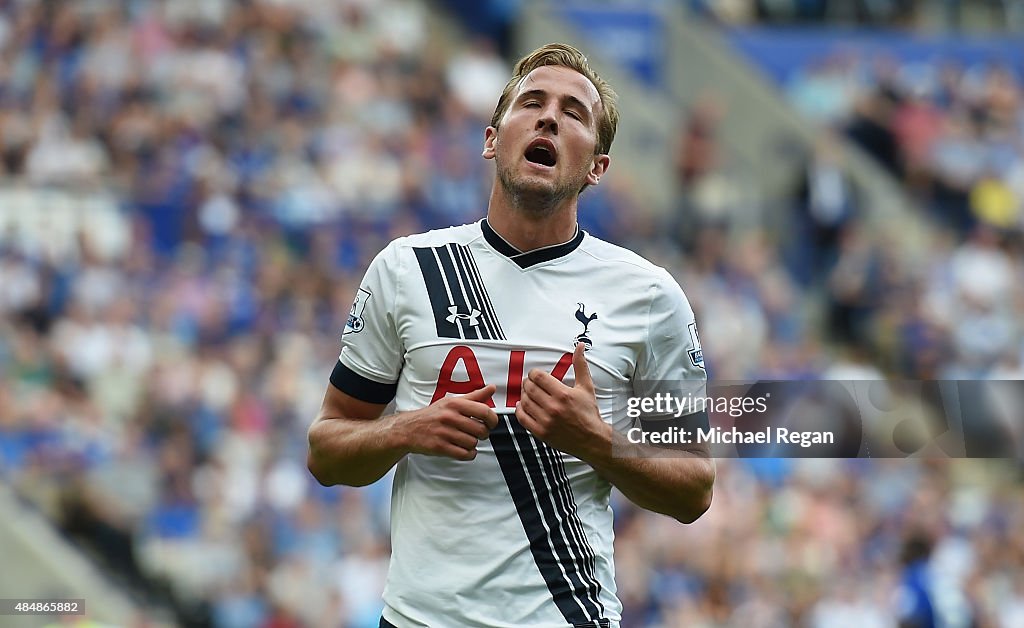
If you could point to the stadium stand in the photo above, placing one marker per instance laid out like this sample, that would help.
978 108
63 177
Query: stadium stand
190 193
40 564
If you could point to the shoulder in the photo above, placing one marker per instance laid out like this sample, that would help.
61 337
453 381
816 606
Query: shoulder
393 258
462 234
627 265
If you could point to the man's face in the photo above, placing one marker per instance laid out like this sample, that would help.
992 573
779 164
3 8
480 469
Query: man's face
544 147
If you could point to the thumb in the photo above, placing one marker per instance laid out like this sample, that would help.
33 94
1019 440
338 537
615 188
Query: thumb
582 369
481 394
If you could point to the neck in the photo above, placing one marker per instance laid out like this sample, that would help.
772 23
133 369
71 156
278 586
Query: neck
530 226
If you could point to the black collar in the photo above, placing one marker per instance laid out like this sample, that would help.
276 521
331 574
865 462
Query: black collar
525 259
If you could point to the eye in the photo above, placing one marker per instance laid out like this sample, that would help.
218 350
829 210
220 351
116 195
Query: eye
573 114
531 103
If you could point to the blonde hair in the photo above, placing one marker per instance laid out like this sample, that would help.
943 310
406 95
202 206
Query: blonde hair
567 56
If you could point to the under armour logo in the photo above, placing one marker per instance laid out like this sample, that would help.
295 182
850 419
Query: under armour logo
581 316
454 314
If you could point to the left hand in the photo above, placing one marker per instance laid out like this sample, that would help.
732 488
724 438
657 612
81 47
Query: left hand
567 418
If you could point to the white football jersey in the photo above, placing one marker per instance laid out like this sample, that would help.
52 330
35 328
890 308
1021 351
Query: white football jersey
522 535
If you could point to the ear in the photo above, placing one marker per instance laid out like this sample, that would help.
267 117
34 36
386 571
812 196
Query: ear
597 170
490 137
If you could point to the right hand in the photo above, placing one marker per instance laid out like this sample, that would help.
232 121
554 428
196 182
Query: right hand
451 426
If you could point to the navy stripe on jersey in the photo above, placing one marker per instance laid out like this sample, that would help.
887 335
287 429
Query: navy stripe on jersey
458 295
466 283
560 499
554 467
437 291
477 280
547 510
462 309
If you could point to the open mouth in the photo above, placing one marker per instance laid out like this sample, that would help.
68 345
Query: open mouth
541 151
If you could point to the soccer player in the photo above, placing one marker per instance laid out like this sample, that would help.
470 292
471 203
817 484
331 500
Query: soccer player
508 346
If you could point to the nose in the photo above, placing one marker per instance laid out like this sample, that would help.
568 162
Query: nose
547 120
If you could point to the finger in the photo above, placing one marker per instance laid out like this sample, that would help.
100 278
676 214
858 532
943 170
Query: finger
459 447
466 425
461 439
546 381
535 410
490 419
458 453
582 369
481 394
487 415
474 427
476 410
525 419
537 394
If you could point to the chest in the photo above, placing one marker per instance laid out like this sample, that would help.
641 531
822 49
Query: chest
484 321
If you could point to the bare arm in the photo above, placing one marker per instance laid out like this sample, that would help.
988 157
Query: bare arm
568 419
347 445
672 482
349 442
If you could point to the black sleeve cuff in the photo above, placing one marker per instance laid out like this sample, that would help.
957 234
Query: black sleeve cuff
351 383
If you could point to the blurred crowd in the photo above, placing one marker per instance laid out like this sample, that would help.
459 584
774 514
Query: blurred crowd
954 137
825 544
156 386
950 14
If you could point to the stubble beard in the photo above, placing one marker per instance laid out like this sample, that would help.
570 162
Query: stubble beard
538 198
